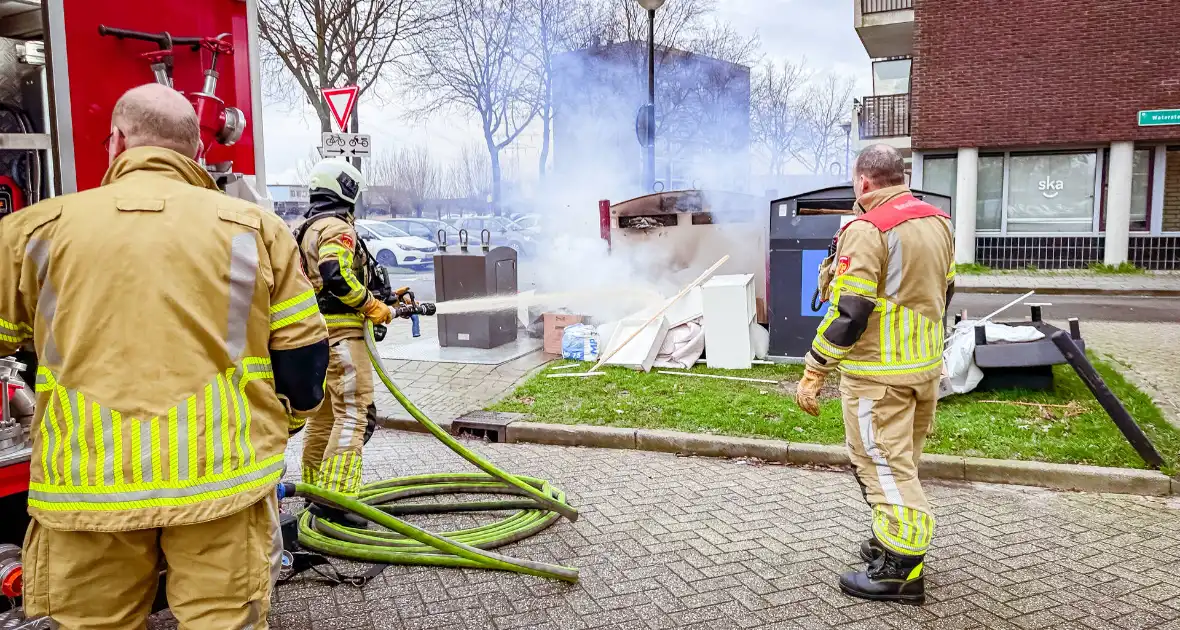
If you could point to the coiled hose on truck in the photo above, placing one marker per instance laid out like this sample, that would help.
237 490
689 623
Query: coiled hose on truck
539 505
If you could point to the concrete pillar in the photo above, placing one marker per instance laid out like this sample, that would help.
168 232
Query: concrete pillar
917 168
966 199
1118 202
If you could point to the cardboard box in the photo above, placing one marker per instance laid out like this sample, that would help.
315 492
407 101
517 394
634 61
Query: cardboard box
555 325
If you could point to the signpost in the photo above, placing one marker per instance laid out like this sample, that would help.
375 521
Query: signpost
352 145
1159 117
341 102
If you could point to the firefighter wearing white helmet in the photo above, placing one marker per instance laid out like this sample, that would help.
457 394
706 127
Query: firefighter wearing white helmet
336 262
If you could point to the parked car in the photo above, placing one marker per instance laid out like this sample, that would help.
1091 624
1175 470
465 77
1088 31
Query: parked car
393 247
531 222
503 232
427 229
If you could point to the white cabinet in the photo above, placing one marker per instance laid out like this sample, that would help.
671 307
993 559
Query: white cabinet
730 309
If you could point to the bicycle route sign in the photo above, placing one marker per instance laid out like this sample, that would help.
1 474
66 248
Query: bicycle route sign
345 144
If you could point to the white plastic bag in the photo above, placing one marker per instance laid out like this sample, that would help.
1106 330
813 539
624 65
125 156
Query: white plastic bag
580 343
960 374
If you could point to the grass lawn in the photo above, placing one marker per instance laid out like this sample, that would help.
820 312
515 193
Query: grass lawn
967 425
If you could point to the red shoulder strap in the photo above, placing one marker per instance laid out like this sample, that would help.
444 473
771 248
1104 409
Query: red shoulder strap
900 209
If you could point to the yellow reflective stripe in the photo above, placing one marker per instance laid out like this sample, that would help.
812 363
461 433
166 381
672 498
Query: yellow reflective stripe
344 321
297 300
209 430
83 450
295 318
192 437
859 286
248 419
13 332
135 496
825 347
222 385
99 444
870 367
951 273
136 453
173 446
293 310
239 425
358 292
332 249
46 463
64 446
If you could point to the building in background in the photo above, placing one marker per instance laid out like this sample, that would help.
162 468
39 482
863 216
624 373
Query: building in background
291 200
702 120
1030 115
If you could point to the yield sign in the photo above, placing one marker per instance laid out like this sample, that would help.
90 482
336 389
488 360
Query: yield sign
341 102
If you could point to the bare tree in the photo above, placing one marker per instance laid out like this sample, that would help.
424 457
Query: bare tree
469 176
827 103
473 61
777 117
332 43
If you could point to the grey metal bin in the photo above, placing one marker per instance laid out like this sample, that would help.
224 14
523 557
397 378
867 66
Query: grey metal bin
462 272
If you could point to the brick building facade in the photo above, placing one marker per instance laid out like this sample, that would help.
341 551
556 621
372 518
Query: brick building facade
1029 111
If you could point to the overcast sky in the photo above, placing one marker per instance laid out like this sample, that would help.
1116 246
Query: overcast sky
818 30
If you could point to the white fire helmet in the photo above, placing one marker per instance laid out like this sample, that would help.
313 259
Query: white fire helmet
338 177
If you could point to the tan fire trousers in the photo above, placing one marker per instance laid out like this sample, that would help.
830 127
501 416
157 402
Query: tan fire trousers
886 428
338 431
219 574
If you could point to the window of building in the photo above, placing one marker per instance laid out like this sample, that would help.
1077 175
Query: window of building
1051 192
1141 170
940 175
891 76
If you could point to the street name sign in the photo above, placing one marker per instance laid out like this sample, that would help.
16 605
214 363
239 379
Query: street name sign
1159 117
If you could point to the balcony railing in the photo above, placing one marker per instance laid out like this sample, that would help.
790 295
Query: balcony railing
885 116
881 6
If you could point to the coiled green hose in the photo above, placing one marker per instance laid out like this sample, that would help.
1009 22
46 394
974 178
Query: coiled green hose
539 506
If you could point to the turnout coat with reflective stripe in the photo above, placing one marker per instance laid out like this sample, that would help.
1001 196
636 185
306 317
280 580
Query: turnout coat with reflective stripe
894 273
153 303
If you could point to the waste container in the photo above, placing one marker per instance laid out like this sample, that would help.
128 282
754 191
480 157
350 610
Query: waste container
462 272
801 230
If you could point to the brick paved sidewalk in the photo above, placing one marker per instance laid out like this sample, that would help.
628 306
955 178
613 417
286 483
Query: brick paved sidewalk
1078 282
668 542
445 391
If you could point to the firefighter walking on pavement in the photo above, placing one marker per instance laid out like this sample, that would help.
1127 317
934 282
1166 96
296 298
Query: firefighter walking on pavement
892 276
339 268
176 338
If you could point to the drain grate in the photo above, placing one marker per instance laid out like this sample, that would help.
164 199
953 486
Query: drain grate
485 425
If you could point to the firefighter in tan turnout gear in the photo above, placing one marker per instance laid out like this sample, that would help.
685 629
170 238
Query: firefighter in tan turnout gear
893 277
337 263
175 335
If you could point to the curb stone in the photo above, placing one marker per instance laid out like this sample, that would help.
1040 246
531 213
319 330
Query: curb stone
1071 477
1069 291
951 468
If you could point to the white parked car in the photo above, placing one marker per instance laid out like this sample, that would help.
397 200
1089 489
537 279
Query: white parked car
393 247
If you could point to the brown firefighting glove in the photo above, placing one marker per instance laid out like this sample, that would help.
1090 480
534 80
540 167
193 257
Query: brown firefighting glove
807 394
377 311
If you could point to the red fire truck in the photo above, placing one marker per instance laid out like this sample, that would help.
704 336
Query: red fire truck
63 64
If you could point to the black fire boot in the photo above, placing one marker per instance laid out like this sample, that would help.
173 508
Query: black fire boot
891 577
340 517
870 550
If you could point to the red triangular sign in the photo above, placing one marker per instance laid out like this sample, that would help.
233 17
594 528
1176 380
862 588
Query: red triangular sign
340 103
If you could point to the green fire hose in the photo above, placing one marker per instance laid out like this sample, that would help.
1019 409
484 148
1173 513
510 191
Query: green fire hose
538 505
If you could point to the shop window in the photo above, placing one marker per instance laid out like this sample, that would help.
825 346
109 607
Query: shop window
940 175
1052 192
